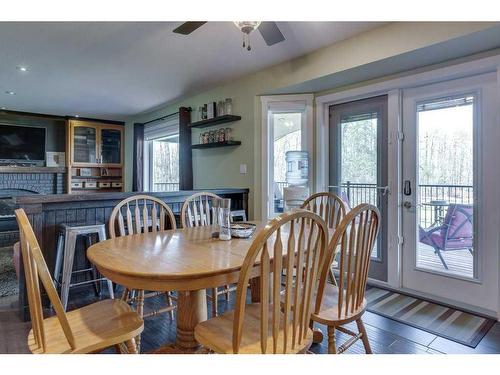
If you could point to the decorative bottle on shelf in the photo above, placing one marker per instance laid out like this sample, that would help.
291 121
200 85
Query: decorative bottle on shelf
228 136
204 112
221 110
225 219
211 110
229 106
200 113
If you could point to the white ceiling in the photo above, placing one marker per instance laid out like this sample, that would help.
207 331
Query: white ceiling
118 69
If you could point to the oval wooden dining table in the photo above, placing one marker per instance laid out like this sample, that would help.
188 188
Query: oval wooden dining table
187 261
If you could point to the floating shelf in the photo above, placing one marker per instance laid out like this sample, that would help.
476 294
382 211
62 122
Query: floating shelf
215 121
216 144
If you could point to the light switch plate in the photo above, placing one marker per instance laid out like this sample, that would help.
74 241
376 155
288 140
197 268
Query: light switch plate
243 169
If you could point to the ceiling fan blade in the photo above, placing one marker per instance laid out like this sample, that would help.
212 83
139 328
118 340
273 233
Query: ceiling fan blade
271 33
188 27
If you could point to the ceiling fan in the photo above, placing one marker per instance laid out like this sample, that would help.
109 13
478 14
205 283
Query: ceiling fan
269 31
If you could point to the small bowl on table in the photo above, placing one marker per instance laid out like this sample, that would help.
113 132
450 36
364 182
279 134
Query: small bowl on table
242 230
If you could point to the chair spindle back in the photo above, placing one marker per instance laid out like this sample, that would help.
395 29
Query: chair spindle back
356 235
198 210
148 213
327 205
35 269
304 235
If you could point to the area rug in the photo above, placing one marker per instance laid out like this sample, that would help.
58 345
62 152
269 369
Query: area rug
456 325
8 279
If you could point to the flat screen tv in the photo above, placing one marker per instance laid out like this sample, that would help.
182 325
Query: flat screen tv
22 143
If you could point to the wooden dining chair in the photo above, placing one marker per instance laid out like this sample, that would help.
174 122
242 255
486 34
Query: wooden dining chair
88 329
337 306
279 323
198 210
142 214
332 209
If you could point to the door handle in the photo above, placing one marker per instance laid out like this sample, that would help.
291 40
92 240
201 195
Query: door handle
407 187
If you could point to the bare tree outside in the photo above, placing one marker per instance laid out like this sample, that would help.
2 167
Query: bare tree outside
359 151
166 164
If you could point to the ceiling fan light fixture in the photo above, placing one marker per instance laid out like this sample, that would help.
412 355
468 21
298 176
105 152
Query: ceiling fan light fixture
246 27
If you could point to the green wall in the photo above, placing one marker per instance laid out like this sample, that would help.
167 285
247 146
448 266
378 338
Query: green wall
220 167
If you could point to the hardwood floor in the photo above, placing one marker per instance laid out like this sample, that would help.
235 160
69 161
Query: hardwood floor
386 336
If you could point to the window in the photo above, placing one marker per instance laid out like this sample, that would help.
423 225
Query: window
161 141
285 128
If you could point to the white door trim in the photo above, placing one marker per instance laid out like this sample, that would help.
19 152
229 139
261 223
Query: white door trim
307 100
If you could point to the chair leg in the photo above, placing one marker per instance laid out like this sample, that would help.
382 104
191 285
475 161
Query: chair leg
364 336
132 347
140 312
214 302
438 252
69 254
125 294
332 346
169 304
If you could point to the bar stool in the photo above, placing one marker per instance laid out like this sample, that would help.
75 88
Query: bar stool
66 246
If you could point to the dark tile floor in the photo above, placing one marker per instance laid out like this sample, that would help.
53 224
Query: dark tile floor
386 336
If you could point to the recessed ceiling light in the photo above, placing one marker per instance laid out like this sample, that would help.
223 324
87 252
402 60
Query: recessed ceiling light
10 92
22 68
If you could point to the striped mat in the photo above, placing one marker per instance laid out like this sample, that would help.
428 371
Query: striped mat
462 327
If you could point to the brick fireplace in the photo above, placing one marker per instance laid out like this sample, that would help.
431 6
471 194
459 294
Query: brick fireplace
17 181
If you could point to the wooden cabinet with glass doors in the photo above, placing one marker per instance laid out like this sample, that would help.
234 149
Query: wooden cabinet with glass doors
94 157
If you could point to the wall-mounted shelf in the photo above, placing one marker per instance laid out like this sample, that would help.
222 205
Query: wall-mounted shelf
215 121
216 144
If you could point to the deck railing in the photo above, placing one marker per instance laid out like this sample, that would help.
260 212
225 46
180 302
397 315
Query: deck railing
430 211
165 186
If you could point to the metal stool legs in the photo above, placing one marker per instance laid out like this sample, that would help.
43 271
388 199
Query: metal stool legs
66 247
101 234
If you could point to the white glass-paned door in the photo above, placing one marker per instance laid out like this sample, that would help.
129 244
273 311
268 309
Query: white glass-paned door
447 252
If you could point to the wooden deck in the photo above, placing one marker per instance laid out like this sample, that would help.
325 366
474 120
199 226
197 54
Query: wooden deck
460 262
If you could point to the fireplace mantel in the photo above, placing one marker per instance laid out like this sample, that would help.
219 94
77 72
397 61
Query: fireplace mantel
20 169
